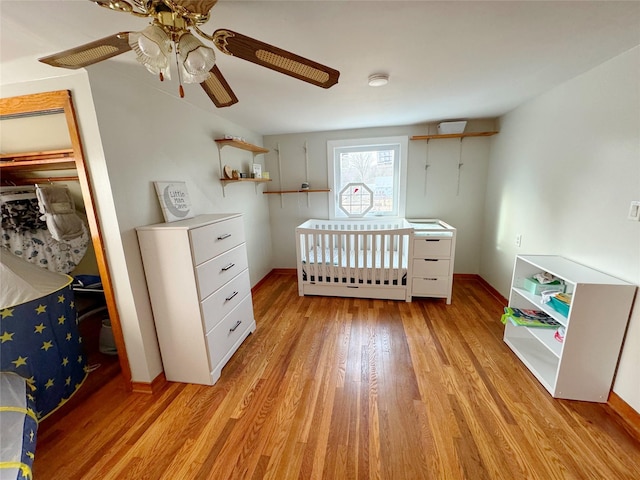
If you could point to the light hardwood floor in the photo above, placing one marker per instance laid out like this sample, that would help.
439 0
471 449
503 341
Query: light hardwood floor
340 388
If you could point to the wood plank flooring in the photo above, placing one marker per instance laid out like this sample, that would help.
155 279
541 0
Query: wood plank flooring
338 388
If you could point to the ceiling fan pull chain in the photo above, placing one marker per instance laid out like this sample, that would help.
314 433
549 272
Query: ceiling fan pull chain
181 88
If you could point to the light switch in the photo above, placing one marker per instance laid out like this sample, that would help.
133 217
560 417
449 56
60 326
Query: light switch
634 211
519 240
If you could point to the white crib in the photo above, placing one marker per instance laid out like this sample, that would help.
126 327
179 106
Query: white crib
354 258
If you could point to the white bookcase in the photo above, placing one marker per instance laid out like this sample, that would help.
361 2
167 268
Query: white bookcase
582 366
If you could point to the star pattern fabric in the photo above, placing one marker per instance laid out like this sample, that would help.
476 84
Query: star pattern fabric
19 427
40 341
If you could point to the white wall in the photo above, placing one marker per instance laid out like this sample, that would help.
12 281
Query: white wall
147 136
439 199
563 171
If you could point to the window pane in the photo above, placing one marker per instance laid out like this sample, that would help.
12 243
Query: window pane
379 165
375 167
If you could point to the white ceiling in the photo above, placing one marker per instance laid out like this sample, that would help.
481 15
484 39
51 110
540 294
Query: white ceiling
446 59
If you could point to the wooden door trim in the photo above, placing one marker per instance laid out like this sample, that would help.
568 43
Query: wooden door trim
61 99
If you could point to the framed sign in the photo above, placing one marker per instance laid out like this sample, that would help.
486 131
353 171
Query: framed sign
174 200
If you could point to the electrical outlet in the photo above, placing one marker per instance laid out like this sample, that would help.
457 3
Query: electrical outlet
634 211
519 240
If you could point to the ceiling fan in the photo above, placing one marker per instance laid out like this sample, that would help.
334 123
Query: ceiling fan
170 30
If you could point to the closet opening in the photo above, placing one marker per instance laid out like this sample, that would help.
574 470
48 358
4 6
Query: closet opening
49 219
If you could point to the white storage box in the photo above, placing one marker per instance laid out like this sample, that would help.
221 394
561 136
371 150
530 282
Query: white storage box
451 127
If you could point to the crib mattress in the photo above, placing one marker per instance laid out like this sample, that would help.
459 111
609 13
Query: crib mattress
361 266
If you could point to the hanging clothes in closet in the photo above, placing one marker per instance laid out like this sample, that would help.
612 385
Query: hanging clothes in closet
40 225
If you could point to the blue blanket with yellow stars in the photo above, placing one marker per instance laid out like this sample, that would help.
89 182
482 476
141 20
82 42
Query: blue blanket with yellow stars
40 341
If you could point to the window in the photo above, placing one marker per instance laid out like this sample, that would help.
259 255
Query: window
367 177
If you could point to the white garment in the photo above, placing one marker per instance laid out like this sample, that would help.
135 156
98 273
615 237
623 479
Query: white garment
59 212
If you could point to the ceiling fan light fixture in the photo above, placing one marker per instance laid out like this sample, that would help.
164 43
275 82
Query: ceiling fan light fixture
117 5
378 79
152 46
195 58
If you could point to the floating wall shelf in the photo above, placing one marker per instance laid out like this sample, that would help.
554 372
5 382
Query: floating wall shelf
453 135
254 180
249 147
306 190
224 142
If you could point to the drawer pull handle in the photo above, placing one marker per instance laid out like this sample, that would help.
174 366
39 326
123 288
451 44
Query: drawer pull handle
432 240
430 259
432 279
231 265
230 297
223 236
233 329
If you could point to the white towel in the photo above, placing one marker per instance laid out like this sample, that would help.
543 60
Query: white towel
57 205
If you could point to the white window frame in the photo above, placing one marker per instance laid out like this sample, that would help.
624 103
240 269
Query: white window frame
400 180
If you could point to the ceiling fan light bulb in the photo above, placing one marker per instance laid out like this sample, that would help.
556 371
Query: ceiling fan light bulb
152 47
195 58
199 60
148 47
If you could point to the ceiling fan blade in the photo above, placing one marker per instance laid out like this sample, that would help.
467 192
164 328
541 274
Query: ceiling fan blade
90 53
275 58
218 89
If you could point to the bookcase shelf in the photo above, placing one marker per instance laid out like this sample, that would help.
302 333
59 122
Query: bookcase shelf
582 366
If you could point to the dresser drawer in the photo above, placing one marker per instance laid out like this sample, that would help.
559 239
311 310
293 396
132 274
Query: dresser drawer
213 274
229 331
428 286
226 298
431 247
430 267
212 240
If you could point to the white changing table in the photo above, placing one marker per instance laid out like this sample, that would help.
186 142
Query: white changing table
433 248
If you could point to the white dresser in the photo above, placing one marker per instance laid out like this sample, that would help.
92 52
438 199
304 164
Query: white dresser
198 279
433 248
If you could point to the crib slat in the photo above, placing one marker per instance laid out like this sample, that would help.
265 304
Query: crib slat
307 253
348 257
375 270
331 271
340 247
384 257
401 245
321 259
357 257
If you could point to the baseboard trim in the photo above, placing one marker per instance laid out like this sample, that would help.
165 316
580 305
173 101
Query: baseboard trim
284 271
155 386
494 293
275 271
629 416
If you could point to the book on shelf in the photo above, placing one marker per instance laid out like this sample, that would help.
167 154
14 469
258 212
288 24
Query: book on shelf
528 318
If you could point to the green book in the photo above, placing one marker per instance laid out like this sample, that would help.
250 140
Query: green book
528 318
